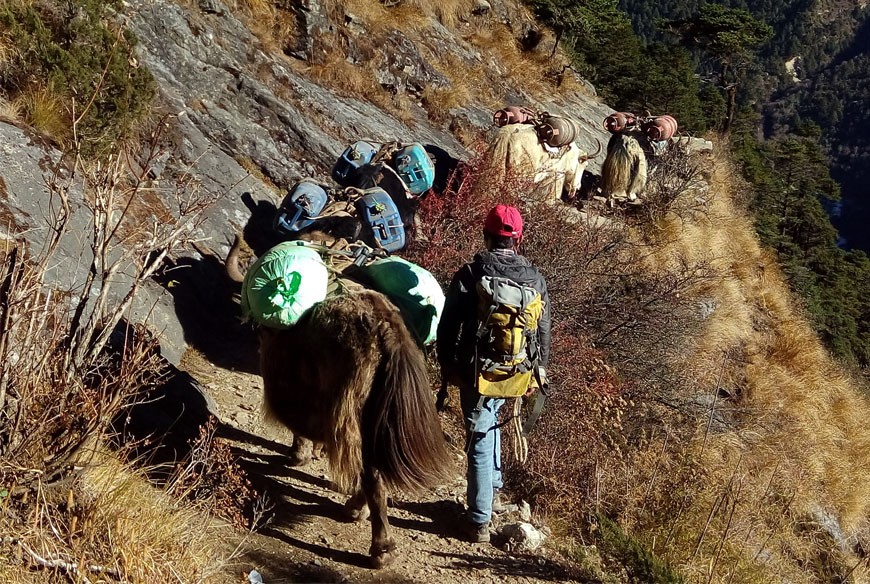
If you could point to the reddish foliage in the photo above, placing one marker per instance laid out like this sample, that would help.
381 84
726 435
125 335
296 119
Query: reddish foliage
606 311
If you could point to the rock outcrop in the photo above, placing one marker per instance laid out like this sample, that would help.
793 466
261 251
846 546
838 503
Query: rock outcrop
247 122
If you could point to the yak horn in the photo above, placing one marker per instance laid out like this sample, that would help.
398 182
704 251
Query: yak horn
597 152
232 262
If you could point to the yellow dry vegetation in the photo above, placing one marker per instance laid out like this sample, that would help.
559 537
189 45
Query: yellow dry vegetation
359 81
111 517
43 110
503 64
747 503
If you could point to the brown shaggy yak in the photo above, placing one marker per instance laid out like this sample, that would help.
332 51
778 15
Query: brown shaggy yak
349 375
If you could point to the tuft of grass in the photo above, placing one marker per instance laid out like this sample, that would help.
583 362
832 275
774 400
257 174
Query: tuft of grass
439 102
10 111
359 82
43 110
254 170
639 562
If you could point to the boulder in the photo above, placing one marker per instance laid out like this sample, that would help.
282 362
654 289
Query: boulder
402 69
521 537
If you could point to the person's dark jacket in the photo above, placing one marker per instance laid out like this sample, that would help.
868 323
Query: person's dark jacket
457 328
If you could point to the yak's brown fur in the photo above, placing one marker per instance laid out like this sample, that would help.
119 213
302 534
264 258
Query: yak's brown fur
624 171
350 375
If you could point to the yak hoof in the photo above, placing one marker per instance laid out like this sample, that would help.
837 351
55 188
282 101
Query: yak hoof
383 555
356 513
299 458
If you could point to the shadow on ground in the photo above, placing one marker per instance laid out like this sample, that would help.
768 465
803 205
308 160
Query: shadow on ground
512 566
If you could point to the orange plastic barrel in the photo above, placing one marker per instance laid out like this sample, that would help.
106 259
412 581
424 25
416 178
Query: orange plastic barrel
619 121
660 128
512 115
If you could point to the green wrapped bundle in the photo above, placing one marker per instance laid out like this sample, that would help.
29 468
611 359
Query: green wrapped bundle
283 283
414 291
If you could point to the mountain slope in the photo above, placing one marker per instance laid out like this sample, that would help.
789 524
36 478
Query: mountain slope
699 427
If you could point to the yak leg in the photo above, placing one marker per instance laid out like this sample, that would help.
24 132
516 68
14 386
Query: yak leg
356 508
383 549
301 451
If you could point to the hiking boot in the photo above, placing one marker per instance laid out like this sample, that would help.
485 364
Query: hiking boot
478 532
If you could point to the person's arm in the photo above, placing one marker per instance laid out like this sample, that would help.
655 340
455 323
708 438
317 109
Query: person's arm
450 323
544 326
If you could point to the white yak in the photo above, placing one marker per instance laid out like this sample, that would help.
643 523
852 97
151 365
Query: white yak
518 151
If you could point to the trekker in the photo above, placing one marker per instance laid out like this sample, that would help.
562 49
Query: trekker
458 345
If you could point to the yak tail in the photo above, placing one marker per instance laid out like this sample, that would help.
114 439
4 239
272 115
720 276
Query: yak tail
401 432
615 171
232 262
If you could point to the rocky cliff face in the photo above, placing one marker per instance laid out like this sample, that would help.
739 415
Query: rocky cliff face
247 120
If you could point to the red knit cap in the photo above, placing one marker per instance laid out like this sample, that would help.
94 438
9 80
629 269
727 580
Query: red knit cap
504 220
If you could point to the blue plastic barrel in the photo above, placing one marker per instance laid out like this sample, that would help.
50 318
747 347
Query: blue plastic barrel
356 155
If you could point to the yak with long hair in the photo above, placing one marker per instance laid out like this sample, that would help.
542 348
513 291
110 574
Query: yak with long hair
624 172
349 375
517 150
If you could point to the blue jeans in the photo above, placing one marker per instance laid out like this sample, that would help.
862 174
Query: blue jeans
484 454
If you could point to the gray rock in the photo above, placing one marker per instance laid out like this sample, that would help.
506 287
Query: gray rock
314 25
525 511
158 165
401 67
211 7
706 308
521 537
27 165
481 7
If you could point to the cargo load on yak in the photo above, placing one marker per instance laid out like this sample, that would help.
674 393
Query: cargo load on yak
283 283
413 165
354 157
659 128
619 122
557 132
382 224
410 162
293 276
300 207
513 114
414 291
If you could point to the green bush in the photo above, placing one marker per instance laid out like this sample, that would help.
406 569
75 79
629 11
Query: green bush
628 74
74 52
791 183
639 562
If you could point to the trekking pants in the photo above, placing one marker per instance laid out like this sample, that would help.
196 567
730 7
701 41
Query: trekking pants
484 453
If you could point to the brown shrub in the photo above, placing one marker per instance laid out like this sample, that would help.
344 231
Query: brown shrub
691 400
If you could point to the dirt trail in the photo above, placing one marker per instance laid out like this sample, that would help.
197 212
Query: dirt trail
306 540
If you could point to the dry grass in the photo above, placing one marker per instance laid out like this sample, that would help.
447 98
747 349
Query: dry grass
532 71
254 170
359 82
439 102
797 442
45 112
9 111
111 516
65 504
408 15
